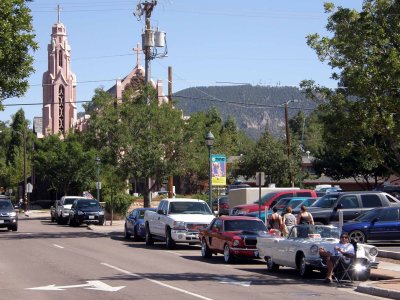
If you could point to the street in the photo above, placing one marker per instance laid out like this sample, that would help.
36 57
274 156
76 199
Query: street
48 261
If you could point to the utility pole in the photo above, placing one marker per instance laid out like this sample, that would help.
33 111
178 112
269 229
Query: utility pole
148 8
171 178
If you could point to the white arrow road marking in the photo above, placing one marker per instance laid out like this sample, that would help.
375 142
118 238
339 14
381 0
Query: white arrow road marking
90 285
157 282
231 281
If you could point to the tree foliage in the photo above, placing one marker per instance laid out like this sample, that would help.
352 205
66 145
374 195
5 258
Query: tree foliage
16 42
360 119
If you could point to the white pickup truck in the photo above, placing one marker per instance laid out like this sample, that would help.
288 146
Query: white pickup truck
177 220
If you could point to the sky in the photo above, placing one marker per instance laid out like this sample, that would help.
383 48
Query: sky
224 42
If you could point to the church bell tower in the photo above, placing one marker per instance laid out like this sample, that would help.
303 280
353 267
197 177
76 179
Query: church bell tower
59 85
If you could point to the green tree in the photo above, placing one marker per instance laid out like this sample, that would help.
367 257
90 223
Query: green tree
64 166
16 42
364 54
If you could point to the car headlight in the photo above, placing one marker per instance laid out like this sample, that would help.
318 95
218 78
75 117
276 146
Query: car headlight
236 242
178 225
314 249
80 213
373 251
101 213
12 214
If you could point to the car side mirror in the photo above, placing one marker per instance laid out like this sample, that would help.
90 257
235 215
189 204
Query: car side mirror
160 211
339 206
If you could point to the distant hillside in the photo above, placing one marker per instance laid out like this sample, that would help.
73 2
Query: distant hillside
253 107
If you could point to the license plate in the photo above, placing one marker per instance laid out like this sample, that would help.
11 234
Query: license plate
1 221
91 217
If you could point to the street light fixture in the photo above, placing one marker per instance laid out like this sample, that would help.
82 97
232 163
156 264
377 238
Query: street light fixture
209 138
98 185
288 137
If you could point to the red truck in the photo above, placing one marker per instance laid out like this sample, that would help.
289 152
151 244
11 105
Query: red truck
270 199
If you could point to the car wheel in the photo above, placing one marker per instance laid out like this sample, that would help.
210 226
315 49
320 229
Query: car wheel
14 228
304 269
70 222
135 235
127 235
205 251
228 257
58 219
169 242
149 238
358 236
271 266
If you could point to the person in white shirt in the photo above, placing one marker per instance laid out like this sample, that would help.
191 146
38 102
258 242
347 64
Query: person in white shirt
344 249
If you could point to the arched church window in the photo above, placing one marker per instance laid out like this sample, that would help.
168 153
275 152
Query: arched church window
61 101
60 58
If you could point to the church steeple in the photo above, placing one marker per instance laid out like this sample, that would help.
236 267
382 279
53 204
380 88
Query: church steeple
59 84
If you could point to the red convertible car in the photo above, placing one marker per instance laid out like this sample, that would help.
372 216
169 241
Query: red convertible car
233 236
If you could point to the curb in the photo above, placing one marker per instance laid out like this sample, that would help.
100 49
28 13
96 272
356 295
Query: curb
366 288
389 254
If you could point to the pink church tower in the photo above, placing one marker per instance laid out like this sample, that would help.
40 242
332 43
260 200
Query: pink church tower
59 85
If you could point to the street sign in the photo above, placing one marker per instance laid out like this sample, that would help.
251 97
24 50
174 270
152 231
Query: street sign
260 178
98 185
29 187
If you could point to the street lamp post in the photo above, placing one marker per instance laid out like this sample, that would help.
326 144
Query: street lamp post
209 138
98 177
288 137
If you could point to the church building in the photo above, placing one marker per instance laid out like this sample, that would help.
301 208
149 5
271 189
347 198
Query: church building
59 85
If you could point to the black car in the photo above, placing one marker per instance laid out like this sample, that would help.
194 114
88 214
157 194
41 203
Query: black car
8 216
88 211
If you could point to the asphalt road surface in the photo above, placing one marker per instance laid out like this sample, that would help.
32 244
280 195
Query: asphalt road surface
48 261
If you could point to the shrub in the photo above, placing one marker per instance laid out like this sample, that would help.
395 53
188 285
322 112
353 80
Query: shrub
120 203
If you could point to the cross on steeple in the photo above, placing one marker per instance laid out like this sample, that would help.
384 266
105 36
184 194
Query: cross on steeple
58 13
138 49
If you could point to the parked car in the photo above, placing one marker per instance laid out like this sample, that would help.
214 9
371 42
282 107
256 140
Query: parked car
8 216
221 205
88 211
294 202
300 250
352 204
270 199
134 224
63 206
53 211
326 190
379 225
232 236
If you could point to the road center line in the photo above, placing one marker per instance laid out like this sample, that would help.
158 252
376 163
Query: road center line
58 246
156 282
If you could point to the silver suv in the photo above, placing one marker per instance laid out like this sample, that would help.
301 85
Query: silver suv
63 206
8 216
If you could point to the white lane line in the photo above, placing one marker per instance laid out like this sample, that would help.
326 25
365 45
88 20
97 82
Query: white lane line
156 282
58 246
173 252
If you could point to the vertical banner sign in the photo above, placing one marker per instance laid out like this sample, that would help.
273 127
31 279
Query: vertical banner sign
218 169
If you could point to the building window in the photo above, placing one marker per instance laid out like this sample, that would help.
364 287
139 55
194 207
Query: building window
61 101
60 58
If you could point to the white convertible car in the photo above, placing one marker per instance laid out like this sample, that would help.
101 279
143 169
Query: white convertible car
300 250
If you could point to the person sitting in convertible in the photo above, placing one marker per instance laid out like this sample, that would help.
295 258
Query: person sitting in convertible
343 250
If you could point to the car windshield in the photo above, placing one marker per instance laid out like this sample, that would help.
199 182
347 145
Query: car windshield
5 205
326 201
282 203
266 197
245 225
88 204
69 201
368 216
315 231
295 203
182 207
